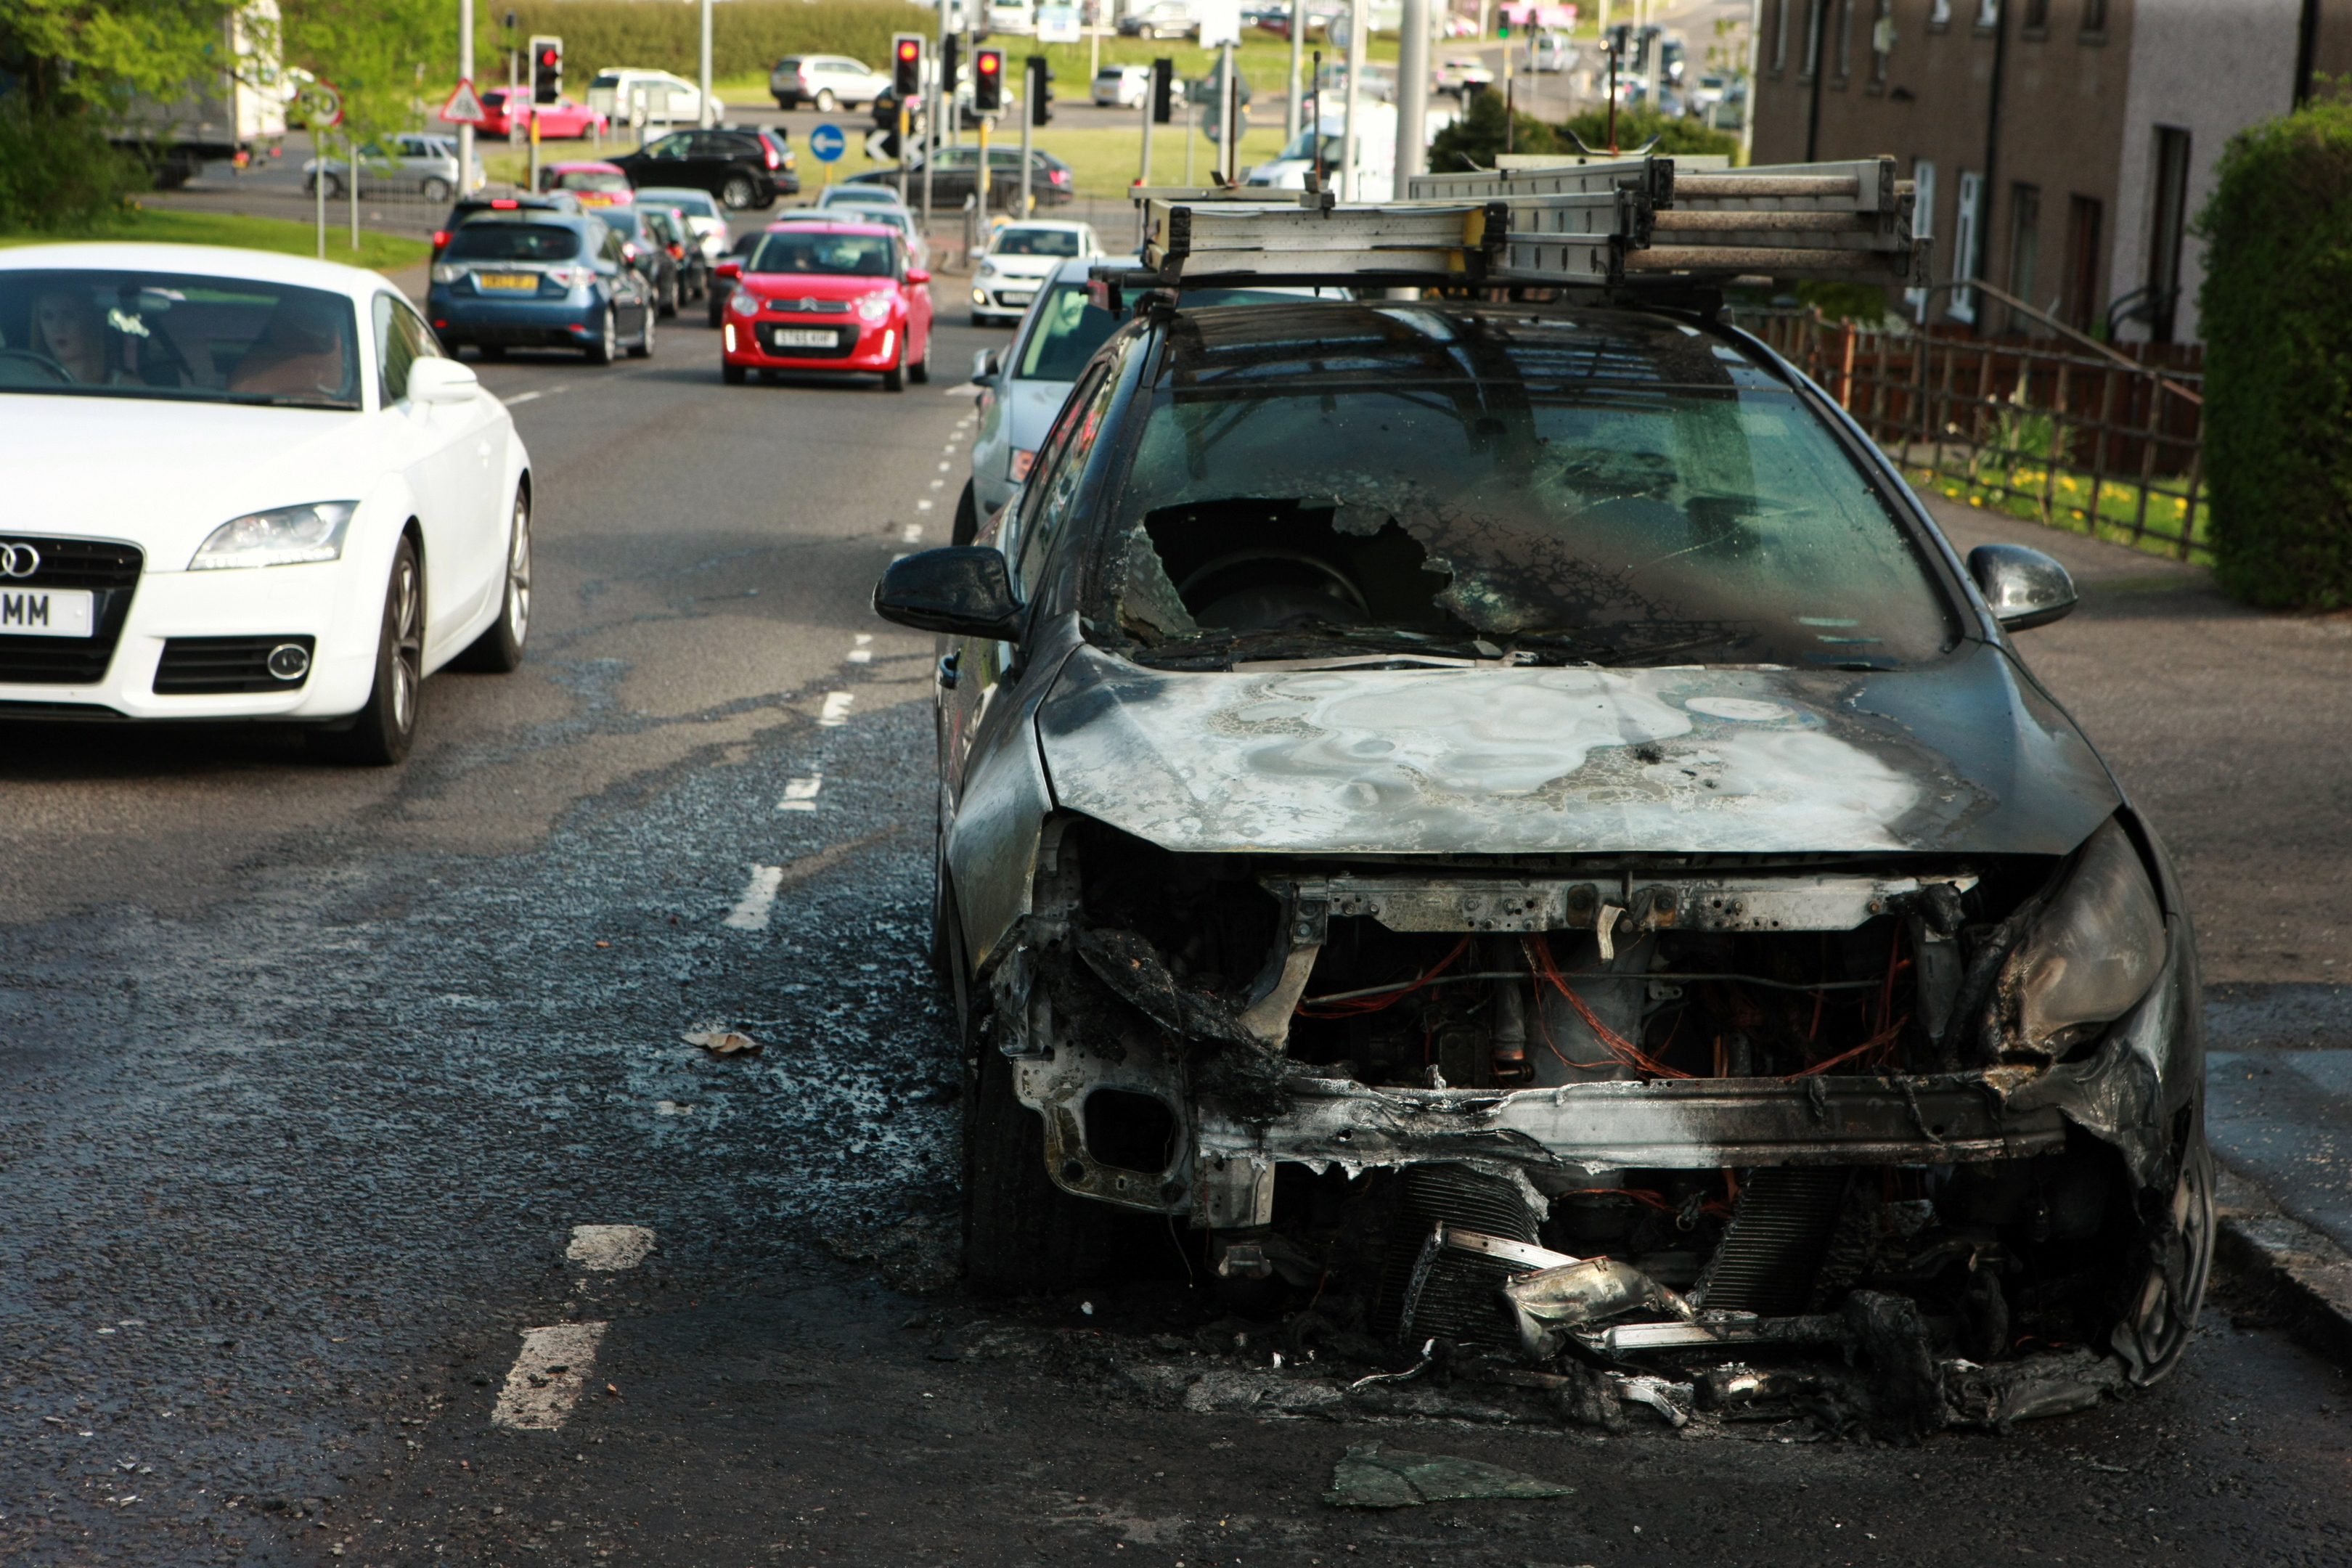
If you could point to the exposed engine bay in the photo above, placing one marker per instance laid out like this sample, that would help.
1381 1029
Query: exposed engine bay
1738 1122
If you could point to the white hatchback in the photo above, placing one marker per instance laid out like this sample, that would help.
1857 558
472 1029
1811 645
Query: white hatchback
245 486
1020 257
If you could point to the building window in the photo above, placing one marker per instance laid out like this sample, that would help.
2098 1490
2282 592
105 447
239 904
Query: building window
1845 39
1987 12
1780 34
2024 249
1882 41
2169 221
1967 212
1923 223
1813 14
2079 299
2095 15
1940 14
2036 19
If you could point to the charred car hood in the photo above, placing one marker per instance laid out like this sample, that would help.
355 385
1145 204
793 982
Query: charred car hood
1966 755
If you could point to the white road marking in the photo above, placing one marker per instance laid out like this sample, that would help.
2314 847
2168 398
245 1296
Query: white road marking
943 467
864 652
751 911
966 388
896 558
799 795
837 709
912 534
548 1376
609 1248
939 484
527 397
922 506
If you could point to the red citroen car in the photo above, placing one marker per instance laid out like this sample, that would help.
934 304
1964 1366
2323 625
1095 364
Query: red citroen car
557 120
828 296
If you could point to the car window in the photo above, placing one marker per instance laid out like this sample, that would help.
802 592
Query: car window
1608 487
837 254
500 241
612 251
136 333
1036 242
401 340
674 146
610 180
1055 485
1066 328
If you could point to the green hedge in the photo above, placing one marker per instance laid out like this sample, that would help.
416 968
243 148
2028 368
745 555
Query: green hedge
746 36
2278 361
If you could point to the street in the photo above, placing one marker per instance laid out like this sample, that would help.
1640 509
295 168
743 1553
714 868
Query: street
317 1071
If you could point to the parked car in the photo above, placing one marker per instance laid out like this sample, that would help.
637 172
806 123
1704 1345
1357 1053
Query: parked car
1731 888
1275 19
521 201
956 177
592 183
1122 87
540 279
828 297
703 214
398 165
656 245
1162 19
246 486
559 120
824 82
742 165
1549 51
1020 257
668 100
1460 75
852 195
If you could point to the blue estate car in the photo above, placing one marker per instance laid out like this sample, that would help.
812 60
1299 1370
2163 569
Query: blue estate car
540 279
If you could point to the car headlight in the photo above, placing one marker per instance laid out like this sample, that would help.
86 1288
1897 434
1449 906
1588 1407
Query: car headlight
282 536
2097 947
743 304
874 307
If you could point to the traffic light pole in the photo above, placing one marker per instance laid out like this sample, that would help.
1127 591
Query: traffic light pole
1028 119
984 183
706 118
466 73
1297 111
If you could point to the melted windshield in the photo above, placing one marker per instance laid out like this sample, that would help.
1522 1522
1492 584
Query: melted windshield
1615 490
840 255
152 334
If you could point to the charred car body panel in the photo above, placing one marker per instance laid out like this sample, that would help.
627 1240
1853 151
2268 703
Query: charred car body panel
1835 973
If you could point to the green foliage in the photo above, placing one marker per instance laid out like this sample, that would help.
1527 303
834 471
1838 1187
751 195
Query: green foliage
1862 303
59 174
2278 364
1676 136
1477 138
387 58
747 36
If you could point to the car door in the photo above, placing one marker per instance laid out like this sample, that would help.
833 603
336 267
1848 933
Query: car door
630 295
669 161
445 453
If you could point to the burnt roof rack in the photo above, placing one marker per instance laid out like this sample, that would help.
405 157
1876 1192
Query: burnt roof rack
1626 222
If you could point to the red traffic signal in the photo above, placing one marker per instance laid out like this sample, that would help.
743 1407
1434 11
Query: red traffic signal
988 81
550 57
907 65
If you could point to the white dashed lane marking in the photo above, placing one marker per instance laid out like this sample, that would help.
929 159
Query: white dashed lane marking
799 795
751 911
922 506
609 1248
548 1376
864 652
837 709
912 534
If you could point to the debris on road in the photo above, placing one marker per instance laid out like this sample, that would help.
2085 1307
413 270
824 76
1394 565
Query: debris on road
722 1042
609 1248
1367 1478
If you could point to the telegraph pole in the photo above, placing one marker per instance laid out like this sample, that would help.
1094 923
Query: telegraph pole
1413 94
465 131
1297 110
706 118
1359 24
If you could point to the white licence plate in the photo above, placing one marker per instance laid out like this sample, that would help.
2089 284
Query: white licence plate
48 612
804 338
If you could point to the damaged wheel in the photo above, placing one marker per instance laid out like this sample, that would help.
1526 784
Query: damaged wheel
1023 1235
2163 1317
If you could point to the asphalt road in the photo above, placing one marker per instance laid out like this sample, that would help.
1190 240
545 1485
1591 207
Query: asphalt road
316 1073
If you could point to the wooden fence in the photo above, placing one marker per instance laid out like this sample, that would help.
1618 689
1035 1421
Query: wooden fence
2105 441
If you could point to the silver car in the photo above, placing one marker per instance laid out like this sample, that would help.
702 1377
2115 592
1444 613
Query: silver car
399 166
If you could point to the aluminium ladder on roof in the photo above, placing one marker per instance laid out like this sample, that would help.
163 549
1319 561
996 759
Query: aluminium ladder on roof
1611 223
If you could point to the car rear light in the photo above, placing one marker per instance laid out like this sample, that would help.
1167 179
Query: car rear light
677 250
1058 176
440 238
769 150
504 203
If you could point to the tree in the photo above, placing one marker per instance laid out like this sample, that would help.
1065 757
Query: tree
1475 139
386 56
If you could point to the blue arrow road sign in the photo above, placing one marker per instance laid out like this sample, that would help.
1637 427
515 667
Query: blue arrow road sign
826 141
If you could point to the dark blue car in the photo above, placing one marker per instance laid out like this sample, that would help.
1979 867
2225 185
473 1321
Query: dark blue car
540 279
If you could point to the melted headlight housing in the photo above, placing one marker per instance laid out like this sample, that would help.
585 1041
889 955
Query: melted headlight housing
2095 952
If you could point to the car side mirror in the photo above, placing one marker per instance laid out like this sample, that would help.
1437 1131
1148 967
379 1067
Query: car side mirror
917 275
731 271
964 590
984 368
2023 588
442 380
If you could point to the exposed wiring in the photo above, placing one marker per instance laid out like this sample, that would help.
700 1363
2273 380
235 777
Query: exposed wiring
1668 977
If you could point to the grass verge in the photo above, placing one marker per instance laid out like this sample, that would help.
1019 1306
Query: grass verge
175 225
2071 509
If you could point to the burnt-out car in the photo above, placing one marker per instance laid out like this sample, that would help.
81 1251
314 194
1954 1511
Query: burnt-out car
1512 820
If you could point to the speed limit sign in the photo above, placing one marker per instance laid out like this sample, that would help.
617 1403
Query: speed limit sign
322 103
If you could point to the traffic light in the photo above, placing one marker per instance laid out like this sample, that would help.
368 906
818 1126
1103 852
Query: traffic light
1163 91
950 62
907 65
988 81
1041 91
546 70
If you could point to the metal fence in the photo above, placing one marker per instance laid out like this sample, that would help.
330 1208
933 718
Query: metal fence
2104 439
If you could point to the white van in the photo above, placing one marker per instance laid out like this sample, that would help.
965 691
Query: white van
1376 130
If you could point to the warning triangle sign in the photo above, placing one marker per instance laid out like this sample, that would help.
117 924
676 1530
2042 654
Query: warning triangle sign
465 105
